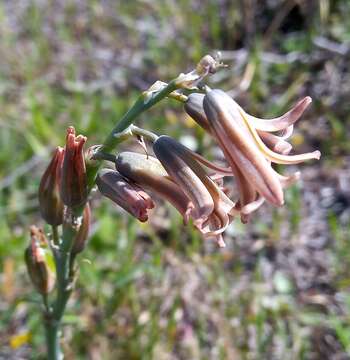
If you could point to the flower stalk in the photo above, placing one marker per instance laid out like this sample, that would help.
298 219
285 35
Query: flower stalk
176 174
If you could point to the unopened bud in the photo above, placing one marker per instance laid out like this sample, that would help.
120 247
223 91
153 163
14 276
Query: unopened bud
124 193
40 262
83 232
50 203
73 187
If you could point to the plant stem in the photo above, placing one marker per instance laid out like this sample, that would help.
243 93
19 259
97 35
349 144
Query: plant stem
135 130
55 236
64 289
145 101
52 340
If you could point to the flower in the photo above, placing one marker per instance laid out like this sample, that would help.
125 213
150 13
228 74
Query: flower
147 172
249 148
211 210
73 187
124 193
50 203
40 262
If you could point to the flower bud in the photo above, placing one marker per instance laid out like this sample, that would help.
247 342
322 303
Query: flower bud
73 187
40 262
147 172
50 203
194 107
124 193
83 232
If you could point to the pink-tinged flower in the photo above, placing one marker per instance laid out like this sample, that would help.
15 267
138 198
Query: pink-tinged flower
124 193
82 236
249 147
50 203
194 107
149 173
73 187
211 210
40 262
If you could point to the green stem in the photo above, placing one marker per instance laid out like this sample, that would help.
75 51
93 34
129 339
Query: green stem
55 235
64 289
145 101
135 130
52 340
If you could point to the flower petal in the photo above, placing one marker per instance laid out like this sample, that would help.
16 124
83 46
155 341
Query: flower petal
238 144
278 158
281 122
275 143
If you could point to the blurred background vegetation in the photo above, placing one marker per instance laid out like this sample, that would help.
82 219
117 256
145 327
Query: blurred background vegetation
280 290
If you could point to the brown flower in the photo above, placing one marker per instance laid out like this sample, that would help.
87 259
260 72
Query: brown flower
124 193
40 262
211 210
50 203
241 138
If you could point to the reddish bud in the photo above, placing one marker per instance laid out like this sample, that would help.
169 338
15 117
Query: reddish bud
40 262
124 193
73 181
50 203
83 233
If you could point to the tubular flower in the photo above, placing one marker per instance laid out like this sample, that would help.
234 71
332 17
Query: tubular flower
148 172
50 203
124 193
73 187
40 262
249 147
194 107
212 211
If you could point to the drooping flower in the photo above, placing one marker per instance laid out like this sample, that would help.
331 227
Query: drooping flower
243 139
147 172
212 210
124 193
73 187
50 203
194 107
40 262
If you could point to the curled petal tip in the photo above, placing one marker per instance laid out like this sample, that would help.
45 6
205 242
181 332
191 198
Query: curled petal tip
317 154
70 130
307 99
221 243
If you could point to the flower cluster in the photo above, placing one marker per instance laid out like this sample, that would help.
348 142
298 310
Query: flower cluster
250 146
196 187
